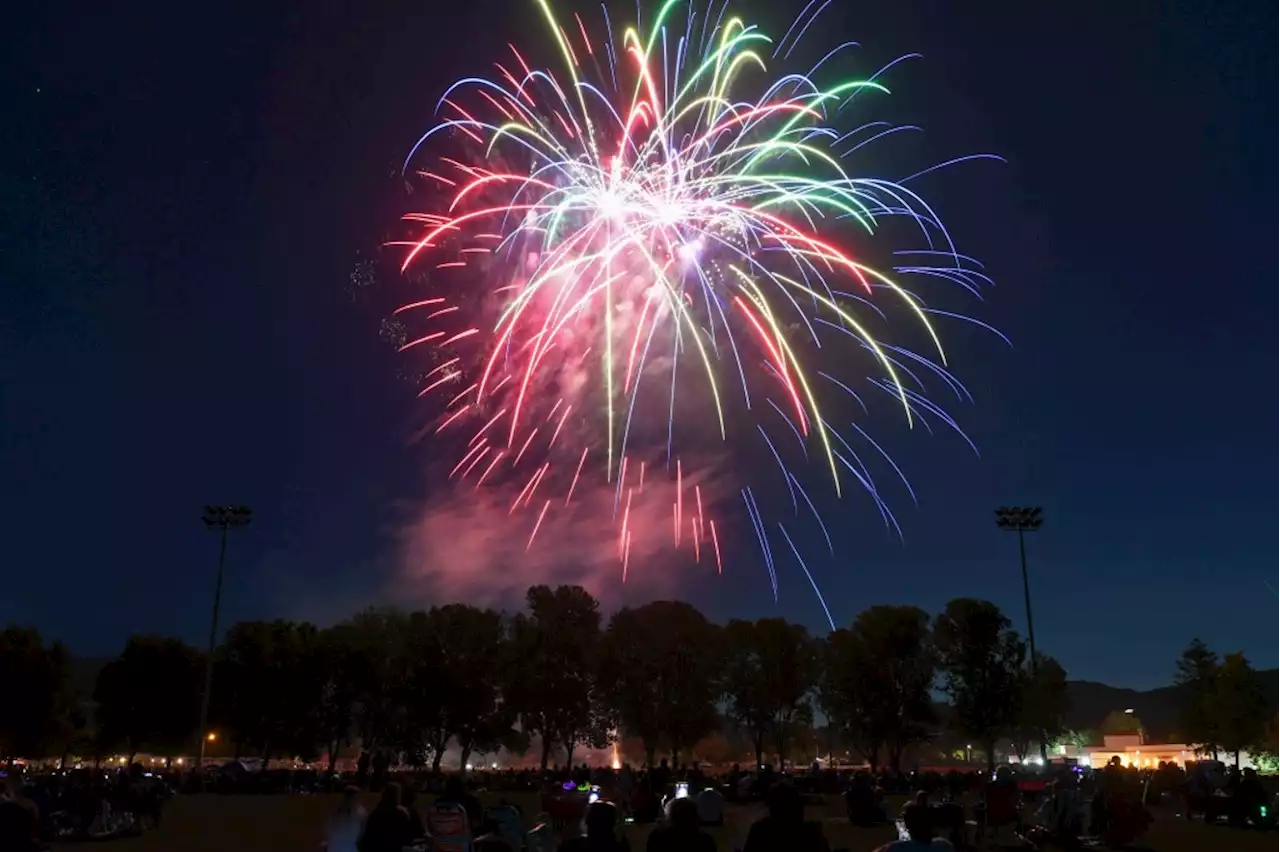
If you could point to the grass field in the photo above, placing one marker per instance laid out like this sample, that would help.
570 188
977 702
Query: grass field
213 823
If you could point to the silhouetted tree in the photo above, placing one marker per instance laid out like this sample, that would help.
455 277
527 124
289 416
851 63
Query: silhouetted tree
1043 704
663 674
1195 679
270 687
553 689
337 665
473 654
381 666
149 697
1240 710
877 680
899 671
770 671
981 660
36 711
421 712
848 705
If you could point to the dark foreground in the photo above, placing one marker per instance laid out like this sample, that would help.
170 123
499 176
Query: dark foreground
295 823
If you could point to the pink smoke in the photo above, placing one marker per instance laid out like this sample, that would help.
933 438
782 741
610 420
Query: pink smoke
464 544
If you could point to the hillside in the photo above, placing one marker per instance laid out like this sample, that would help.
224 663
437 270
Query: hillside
1157 708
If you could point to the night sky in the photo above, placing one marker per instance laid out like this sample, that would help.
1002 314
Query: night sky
186 193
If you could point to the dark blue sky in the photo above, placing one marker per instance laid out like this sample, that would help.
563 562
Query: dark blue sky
185 196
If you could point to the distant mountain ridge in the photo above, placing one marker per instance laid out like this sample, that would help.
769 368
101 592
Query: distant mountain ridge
1157 709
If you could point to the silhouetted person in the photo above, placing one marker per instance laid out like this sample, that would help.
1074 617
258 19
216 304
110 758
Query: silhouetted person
602 832
765 780
860 803
683 831
381 763
710 803
19 819
785 828
1001 802
1245 795
919 831
387 828
346 823
660 777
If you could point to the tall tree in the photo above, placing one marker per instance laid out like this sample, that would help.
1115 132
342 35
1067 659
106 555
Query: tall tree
1195 679
628 679
336 663
36 712
1043 704
1240 710
149 697
877 679
749 705
770 671
553 689
423 723
271 688
981 660
662 674
382 662
898 672
473 655
842 697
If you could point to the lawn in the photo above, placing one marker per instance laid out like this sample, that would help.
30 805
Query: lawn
213 823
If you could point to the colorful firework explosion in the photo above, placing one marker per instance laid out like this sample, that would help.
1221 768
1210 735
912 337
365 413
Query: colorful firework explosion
639 236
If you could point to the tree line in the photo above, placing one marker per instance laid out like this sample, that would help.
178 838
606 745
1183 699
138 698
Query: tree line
1224 705
417 682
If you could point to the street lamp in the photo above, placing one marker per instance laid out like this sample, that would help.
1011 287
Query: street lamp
1024 519
221 519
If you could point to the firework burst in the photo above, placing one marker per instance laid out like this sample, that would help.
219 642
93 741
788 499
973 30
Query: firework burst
659 248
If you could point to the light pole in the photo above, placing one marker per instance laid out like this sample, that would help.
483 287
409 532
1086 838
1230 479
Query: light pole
222 519
1024 519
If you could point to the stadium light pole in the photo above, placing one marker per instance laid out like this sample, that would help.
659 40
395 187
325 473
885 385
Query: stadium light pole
1024 519
222 519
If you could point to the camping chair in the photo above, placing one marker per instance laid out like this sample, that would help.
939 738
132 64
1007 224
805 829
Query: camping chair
447 827
1001 809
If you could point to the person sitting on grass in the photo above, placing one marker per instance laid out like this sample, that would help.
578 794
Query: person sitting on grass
19 819
710 803
785 828
346 823
601 831
387 828
861 803
683 831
